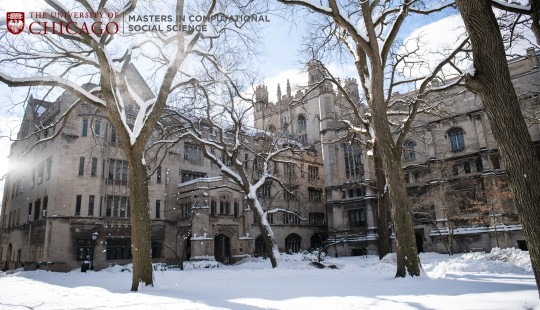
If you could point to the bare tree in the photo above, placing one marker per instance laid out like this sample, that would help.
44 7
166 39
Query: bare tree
488 205
375 126
438 196
228 141
69 51
363 38
490 79
527 15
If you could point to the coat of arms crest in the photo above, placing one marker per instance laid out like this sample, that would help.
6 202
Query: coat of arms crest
15 22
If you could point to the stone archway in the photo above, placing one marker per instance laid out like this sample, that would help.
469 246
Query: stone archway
260 247
222 248
419 236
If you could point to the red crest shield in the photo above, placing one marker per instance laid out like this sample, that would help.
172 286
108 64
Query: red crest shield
15 22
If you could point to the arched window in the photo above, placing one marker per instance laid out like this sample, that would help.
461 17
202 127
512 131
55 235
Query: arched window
260 246
235 209
292 243
456 139
224 205
317 240
302 122
408 150
272 128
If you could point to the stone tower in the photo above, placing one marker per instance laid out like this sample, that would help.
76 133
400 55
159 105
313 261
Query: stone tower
351 86
261 95
315 71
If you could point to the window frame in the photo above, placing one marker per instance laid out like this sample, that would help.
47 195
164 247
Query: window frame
84 132
409 152
81 166
354 167
457 139
355 217
293 243
91 204
118 248
78 204
93 169
84 247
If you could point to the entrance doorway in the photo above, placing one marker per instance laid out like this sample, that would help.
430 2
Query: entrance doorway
188 247
419 235
222 248
8 257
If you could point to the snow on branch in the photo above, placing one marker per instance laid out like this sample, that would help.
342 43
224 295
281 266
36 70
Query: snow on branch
422 92
55 81
512 7
276 210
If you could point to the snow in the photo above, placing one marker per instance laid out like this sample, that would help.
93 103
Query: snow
513 6
470 70
502 279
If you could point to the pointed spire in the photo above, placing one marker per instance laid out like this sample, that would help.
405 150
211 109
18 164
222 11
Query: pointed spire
278 93
288 89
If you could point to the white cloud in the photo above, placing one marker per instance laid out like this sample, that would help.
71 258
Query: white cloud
434 38
440 37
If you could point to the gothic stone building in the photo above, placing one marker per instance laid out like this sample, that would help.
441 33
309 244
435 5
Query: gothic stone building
77 184
454 175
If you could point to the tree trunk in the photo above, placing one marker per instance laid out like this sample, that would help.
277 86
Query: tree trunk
382 206
535 25
140 222
492 83
266 231
407 252
450 229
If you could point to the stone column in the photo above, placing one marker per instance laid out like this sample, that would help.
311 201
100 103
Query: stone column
370 217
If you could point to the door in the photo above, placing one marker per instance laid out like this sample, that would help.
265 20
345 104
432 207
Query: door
419 235
222 248
188 248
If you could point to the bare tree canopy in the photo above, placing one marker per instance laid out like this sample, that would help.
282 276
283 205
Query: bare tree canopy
68 54
368 31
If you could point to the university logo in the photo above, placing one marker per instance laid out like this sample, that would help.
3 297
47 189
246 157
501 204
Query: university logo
15 22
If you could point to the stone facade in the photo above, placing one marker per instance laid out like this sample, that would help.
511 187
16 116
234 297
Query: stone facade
77 184
457 147
474 172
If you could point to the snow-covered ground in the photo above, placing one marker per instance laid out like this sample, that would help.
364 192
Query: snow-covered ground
502 279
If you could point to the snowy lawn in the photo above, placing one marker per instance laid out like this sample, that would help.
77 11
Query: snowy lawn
501 280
